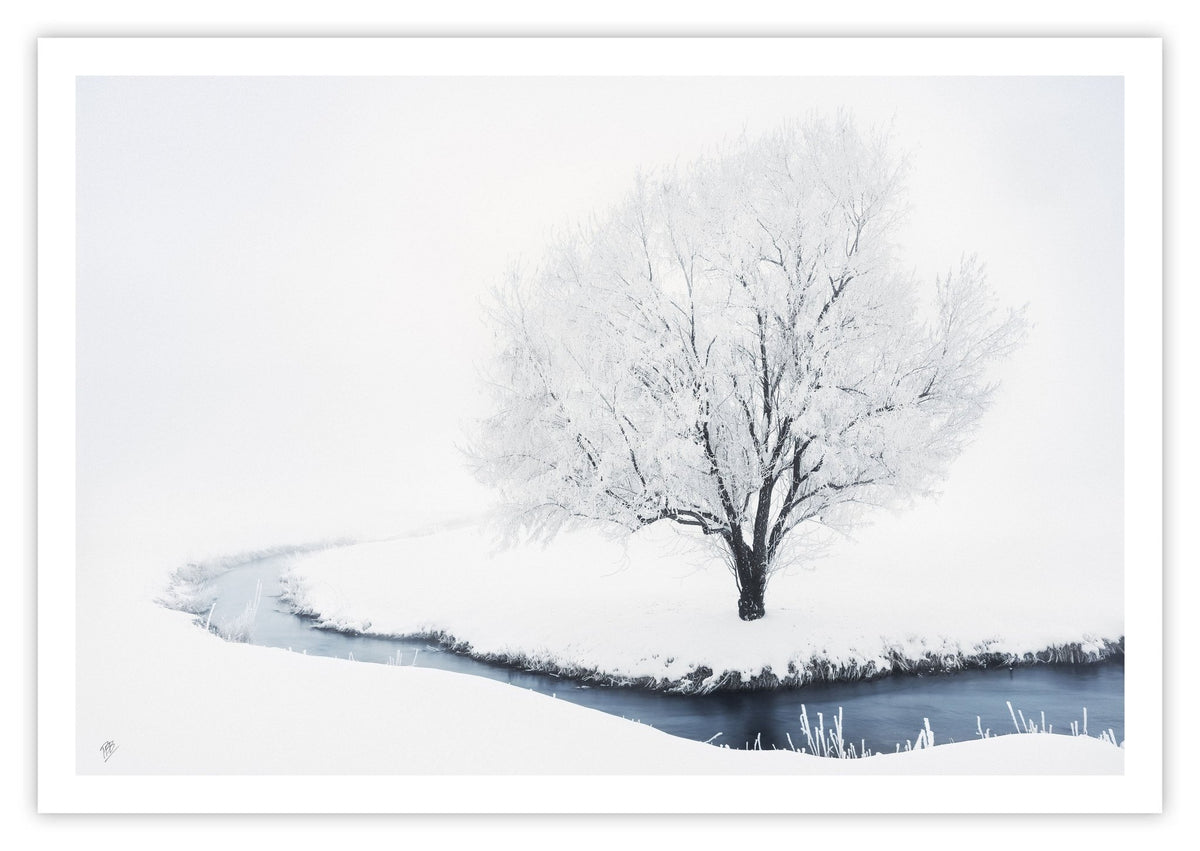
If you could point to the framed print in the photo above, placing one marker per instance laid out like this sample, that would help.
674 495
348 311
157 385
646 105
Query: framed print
504 425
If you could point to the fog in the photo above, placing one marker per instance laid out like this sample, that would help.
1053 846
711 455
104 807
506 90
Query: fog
279 287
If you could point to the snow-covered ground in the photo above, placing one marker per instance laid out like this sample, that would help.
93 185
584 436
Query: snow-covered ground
178 700
656 606
222 708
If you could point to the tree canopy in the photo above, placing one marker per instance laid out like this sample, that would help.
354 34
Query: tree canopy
737 347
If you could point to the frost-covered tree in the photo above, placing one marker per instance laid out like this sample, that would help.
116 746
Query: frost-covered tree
736 347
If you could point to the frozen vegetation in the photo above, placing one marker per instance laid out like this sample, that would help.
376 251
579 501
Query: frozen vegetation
737 347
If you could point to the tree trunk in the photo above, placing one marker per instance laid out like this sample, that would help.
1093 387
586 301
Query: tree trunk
752 577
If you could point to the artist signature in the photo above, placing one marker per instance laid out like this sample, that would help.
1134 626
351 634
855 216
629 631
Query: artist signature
108 749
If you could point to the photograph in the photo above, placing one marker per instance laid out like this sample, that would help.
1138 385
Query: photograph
599 423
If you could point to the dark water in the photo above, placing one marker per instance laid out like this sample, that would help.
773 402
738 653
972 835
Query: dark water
882 713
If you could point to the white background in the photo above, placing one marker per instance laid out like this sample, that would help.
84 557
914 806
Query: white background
25 54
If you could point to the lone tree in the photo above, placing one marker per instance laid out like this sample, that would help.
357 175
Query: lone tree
736 347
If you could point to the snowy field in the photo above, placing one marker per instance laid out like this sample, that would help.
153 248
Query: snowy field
235 708
659 607
181 701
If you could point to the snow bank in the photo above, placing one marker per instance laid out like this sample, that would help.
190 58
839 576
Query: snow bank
656 611
223 708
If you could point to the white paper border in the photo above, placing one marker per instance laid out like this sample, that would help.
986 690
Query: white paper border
1139 61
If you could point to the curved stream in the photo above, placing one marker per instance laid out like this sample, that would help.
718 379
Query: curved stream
881 713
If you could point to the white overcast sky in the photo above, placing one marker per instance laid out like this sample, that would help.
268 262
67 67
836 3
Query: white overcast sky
279 284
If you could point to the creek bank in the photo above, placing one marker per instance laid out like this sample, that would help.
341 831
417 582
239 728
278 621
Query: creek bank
703 680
